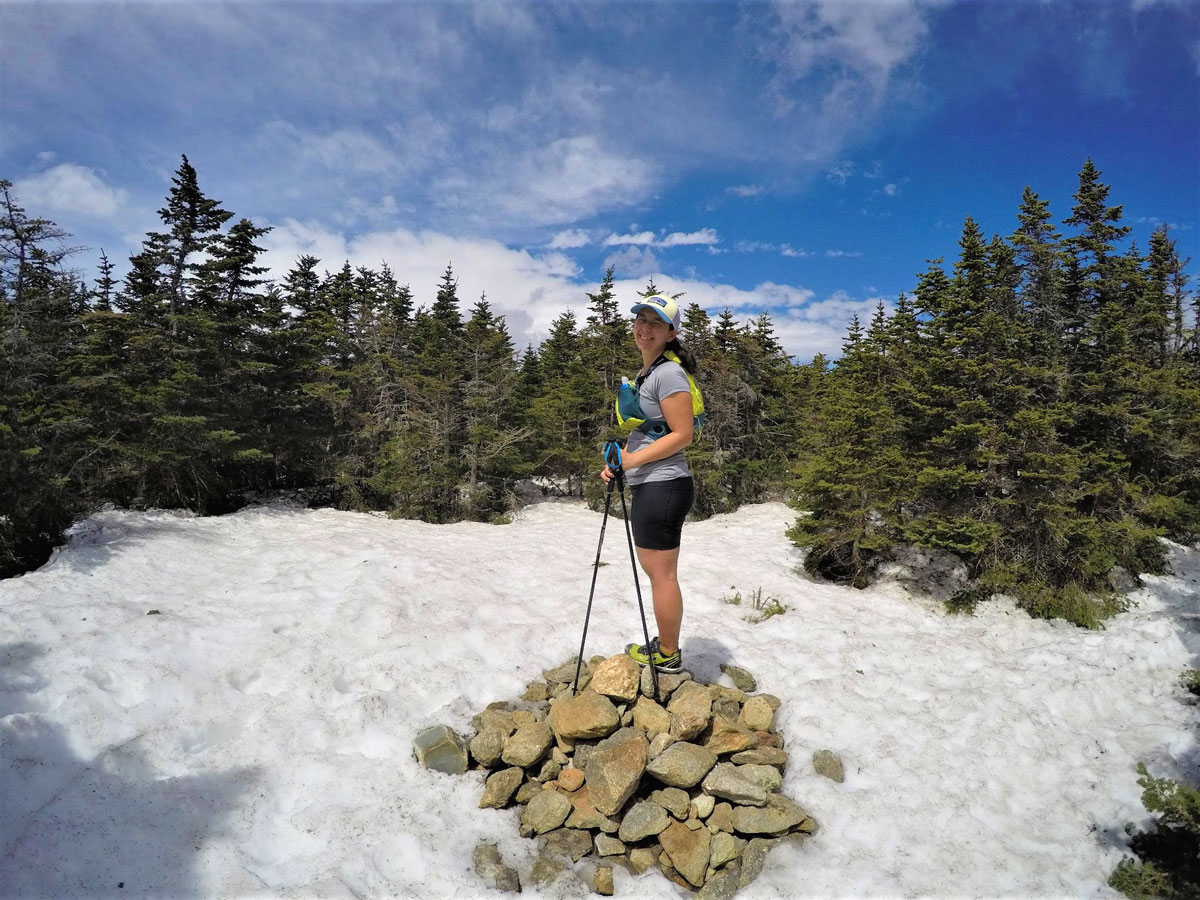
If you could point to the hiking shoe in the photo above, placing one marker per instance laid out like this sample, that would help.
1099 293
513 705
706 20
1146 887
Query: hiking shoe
663 663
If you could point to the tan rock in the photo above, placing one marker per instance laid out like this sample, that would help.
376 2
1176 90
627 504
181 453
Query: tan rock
730 740
724 848
528 744
725 781
497 717
607 845
569 842
826 763
615 767
721 692
682 764
690 708
546 811
688 850
766 756
528 791
660 743
768 739
603 881
643 859
757 714
536 692
673 800
487 746
644 819
766 777
722 817
498 790
570 779
702 806
651 718
586 715
617 678
523 717
585 815
777 816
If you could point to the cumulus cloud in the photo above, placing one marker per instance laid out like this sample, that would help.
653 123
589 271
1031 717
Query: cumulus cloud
633 262
69 188
570 239
641 239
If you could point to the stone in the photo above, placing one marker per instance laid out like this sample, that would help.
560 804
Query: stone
765 756
528 791
741 679
564 673
585 815
726 782
617 678
772 701
498 790
722 817
527 745
777 816
490 867
586 715
702 805
673 800
570 779
693 824
569 842
497 717
651 718
583 749
536 692
668 682
603 881
545 869
724 849
729 709
660 743
643 859
442 749
757 714
615 768
549 771
688 850
682 764
607 845
644 819
768 739
827 763
487 746
523 717
721 886
690 708
721 692
754 856
766 777
546 811
730 740
559 756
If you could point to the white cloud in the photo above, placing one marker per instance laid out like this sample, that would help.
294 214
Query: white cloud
705 236
681 239
842 254
633 262
891 190
840 172
746 190
640 239
569 239
68 188
788 250
347 149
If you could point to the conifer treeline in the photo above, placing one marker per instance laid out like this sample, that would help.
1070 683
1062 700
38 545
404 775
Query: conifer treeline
1035 410
195 381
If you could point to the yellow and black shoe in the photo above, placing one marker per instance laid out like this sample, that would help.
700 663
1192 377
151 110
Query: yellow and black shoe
662 662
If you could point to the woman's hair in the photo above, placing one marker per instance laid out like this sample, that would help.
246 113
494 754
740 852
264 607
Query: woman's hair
685 357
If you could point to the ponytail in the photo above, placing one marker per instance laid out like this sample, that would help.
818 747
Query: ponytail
685 357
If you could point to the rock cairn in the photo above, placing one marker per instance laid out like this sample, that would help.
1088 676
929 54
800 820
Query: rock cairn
689 783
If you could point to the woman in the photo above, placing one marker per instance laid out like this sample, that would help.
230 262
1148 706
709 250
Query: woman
657 472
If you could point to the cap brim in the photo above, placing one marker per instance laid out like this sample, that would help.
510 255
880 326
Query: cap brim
638 307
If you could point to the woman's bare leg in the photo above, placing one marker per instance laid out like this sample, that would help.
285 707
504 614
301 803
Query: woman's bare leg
661 566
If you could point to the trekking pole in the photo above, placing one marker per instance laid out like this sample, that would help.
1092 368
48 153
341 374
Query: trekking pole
636 586
612 459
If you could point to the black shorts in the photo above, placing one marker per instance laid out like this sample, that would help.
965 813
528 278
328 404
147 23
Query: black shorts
659 508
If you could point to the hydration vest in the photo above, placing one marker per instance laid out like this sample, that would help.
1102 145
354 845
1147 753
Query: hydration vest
631 416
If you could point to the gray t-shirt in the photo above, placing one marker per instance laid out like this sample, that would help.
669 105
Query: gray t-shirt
669 378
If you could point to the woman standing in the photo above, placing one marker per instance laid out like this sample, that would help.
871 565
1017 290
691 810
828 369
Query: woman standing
658 474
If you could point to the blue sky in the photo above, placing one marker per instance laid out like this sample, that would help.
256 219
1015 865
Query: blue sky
799 158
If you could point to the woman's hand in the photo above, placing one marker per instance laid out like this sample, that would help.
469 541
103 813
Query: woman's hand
607 475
